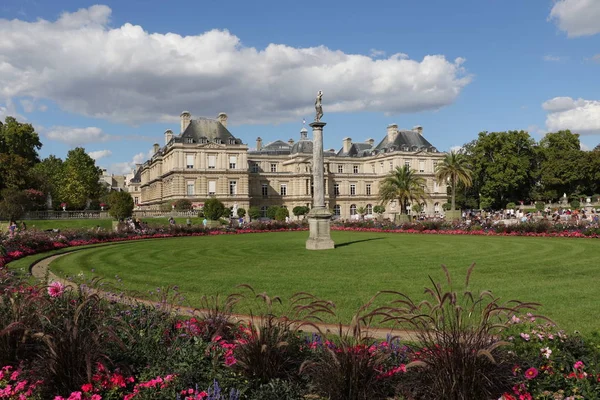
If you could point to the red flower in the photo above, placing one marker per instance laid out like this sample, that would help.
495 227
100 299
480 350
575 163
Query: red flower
531 373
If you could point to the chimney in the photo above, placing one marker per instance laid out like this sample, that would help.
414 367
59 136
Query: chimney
347 142
168 136
291 142
156 147
223 119
370 142
418 129
258 144
186 118
392 133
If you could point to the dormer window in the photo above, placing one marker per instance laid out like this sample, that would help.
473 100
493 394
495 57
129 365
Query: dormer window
231 141
189 140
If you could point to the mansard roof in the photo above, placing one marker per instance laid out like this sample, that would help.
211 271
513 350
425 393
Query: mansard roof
278 147
303 146
356 150
209 129
405 139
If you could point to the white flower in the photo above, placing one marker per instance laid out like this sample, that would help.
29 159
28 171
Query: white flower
546 352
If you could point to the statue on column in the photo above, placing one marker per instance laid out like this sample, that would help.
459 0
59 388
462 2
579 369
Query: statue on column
318 106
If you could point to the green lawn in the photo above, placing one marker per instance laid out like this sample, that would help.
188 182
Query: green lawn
106 223
562 274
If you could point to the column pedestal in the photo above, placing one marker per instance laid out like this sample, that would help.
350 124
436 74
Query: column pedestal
319 217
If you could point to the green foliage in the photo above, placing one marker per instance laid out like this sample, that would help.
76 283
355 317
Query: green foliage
19 139
121 205
404 185
80 179
539 205
379 209
486 203
241 212
575 204
183 205
272 211
227 212
446 206
453 169
504 166
281 214
460 332
14 204
511 206
300 210
48 175
254 212
417 208
213 209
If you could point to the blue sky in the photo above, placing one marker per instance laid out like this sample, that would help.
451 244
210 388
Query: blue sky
113 76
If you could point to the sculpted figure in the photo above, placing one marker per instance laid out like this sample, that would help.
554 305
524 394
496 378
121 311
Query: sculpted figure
318 106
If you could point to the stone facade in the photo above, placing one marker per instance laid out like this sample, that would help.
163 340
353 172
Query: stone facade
206 160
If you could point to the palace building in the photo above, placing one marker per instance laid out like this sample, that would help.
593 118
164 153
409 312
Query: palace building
206 160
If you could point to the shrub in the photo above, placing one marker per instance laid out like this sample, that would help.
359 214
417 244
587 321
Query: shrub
511 206
183 205
281 214
300 210
379 209
254 212
540 205
458 354
121 205
241 212
14 203
446 206
575 204
272 212
213 209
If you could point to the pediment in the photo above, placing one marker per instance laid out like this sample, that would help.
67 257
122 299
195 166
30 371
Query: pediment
213 145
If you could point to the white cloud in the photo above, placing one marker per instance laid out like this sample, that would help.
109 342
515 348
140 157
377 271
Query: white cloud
28 105
9 110
535 130
374 53
549 57
577 17
126 74
580 116
96 155
124 168
76 136
456 149
584 147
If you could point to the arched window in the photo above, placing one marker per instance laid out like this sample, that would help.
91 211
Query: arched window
436 208
353 209
337 210
263 211
369 209
423 207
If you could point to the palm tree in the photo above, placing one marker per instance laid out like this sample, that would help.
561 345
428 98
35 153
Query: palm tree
453 169
404 185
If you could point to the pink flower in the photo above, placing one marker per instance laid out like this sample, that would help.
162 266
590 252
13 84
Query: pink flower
525 337
229 361
531 373
56 289
579 365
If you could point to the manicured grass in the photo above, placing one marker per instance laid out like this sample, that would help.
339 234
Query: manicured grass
562 274
106 223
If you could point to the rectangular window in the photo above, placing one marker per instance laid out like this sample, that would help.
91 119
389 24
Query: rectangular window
189 161
254 167
189 140
391 165
135 200
373 168
212 161
381 164
336 189
283 189
368 189
232 188
190 188
265 190
352 189
436 187
273 167
421 165
340 169
407 163
212 187
355 169
232 162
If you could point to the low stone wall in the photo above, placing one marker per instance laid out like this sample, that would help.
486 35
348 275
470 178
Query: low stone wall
84 214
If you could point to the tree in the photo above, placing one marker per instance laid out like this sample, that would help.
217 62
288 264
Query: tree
453 169
417 208
213 209
254 212
272 211
404 185
48 176
121 205
14 204
183 205
281 214
300 211
80 181
446 206
378 209
561 166
504 167
13 172
241 212
19 139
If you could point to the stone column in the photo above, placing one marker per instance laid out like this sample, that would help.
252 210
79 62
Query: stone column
319 217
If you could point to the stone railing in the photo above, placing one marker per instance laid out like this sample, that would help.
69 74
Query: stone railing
84 214
159 213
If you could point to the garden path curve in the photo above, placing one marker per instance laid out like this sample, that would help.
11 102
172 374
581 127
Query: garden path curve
40 270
